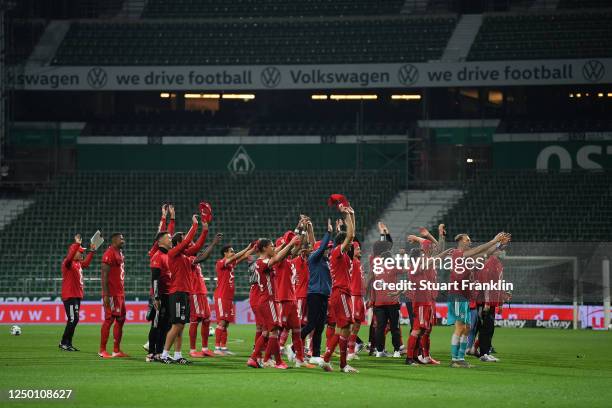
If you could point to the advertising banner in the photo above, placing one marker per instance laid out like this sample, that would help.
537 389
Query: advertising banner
513 315
362 76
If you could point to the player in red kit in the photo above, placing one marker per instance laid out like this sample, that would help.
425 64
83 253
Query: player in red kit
267 309
254 303
299 265
358 304
153 315
179 263
340 309
113 296
459 297
285 275
224 293
199 308
72 288
488 300
160 285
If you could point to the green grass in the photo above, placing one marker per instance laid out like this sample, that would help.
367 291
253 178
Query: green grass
538 368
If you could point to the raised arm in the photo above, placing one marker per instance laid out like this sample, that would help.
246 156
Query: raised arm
180 247
282 254
414 239
441 246
250 250
242 255
194 249
484 247
162 221
427 235
206 254
443 254
310 233
349 220
503 241
72 250
384 232
171 225
92 251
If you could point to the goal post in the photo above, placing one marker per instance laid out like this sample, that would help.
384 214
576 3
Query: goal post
544 279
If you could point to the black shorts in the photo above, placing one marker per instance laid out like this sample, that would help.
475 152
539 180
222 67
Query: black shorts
179 308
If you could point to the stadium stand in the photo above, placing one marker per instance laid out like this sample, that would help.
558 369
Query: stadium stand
535 206
543 36
269 8
24 36
245 208
234 43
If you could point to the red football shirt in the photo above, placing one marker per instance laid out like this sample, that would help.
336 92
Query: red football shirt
300 265
198 282
180 264
339 269
160 261
114 258
284 275
225 279
421 294
265 288
357 288
492 271
72 273
385 296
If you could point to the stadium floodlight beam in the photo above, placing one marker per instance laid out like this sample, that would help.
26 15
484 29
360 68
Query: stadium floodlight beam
352 97
246 97
406 97
202 96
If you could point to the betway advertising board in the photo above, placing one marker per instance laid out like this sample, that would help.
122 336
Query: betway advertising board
514 315
363 76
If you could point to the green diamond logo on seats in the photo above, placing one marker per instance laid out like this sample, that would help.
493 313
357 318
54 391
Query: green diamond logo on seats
593 71
408 74
270 77
97 78
241 162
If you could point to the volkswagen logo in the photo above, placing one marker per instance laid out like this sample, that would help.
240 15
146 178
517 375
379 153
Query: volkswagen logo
97 78
408 74
270 77
593 71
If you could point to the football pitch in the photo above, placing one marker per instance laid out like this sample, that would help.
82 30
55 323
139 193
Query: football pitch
538 367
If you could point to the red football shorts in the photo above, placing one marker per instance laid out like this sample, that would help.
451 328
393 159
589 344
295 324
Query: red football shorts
289 314
340 309
422 316
358 309
302 309
225 310
268 313
198 307
116 307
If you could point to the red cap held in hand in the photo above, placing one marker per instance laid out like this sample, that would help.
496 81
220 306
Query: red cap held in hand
337 200
206 211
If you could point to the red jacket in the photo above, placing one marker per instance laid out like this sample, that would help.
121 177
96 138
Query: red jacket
72 273
179 262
